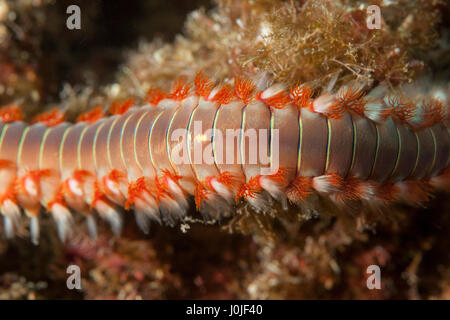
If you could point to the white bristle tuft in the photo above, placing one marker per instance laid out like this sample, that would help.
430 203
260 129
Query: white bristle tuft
113 187
92 226
273 90
368 190
145 212
151 207
215 207
8 226
375 111
262 203
323 103
110 214
142 220
275 189
171 211
34 230
177 194
222 190
378 92
214 91
30 187
323 184
11 213
63 219
440 182
75 187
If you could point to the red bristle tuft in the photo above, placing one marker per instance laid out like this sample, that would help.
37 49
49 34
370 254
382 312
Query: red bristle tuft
299 189
437 108
277 101
203 85
388 192
120 107
50 118
160 190
135 189
98 194
9 194
301 95
280 176
385 114
412 192
6 163
227 179
79 175
43 173
348 99
442 180
352 100
244 89
224 95
10 113
335 180
350 190
19 184
116 175
329 105
180 89
200 195
91 116
154 96
336 111
417 192
401 108
433 112
171 175
58 198
249 189
166 174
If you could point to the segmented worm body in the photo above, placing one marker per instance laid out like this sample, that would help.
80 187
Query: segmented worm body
345 145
